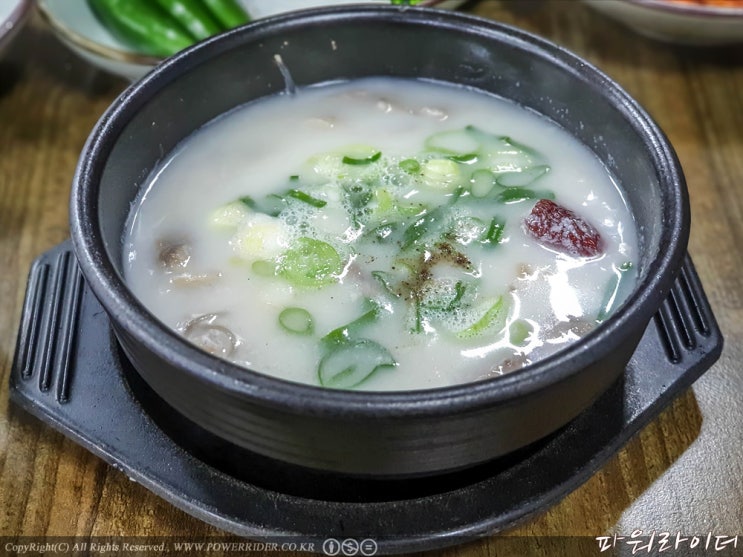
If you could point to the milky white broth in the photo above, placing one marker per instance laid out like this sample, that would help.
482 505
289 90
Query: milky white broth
217 247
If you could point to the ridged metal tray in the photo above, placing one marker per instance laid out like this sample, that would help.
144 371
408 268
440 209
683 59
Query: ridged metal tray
69 372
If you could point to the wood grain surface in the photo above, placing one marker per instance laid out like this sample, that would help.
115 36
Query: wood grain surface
683 473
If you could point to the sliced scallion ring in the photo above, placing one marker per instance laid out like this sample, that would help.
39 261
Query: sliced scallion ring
453 142
297 321
310 262
358 155
411 166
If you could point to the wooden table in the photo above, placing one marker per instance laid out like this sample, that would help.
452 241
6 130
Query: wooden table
682 474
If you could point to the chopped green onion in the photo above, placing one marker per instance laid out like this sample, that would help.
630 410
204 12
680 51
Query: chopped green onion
310 262
411 166
459 289
359 155
385 279
494 319
467 158
349 364
264 268
482 182
358 195
428 221
230 216
247 201
383 233
348 361
523 177
307 198
448 300
494 234
366 160
418 322
613 288
441 174
515 195
453 142
346 332
418 229
503 154
525 149
272 204
519 332
297 321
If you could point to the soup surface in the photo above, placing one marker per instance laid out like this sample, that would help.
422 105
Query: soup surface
381 234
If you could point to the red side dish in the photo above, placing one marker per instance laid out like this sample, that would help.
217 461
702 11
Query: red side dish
711 3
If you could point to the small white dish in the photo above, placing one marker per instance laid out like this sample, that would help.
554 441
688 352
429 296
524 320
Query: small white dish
77 27
13 14
263 8
673 21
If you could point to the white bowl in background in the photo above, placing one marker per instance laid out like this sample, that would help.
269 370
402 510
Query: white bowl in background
678 22
13 14
77 27
263 8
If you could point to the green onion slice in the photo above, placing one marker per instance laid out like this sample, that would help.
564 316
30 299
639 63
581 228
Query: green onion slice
297 321
493 320
411 166
494 234
347 332
518 194
453 142
523 178
613 288
482 182
466 158
304 197
519 332
264 268
271 205
359 155
310 262
351 363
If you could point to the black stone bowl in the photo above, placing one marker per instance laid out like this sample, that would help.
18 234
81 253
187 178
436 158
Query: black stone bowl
368 433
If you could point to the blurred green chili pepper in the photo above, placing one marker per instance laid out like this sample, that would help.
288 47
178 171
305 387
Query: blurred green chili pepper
141 24
192 16
228 12
164 27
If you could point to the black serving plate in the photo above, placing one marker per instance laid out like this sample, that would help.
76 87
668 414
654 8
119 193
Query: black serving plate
70 373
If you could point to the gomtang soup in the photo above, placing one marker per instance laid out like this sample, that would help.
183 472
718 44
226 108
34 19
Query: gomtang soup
381 234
